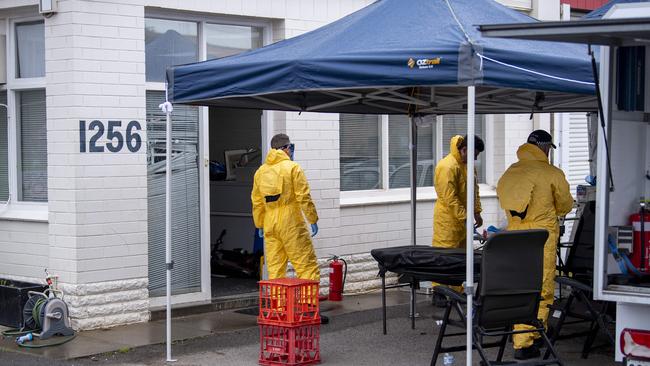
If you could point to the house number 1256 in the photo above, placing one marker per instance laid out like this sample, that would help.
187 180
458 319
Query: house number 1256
115 139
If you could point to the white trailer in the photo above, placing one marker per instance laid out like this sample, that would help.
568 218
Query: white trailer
622 76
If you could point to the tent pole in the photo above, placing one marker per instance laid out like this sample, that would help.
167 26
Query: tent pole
469 280
413 138
167 108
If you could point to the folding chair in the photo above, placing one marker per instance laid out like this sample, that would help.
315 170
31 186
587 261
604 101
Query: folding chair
579 306
508 294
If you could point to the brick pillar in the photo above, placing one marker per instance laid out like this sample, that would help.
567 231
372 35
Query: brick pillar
97 199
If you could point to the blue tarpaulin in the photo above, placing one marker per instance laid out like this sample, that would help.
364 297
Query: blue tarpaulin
402 50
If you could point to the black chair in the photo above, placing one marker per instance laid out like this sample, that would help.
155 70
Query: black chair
579 306
508 294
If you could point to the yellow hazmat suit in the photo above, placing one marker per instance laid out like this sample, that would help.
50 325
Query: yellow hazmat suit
534 186
449 213
280 197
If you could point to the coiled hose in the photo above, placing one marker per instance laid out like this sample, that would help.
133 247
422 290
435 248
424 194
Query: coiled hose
33 316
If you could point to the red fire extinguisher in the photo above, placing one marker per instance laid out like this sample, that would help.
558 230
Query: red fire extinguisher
337 278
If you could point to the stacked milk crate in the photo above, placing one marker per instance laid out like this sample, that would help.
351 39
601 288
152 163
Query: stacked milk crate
289 321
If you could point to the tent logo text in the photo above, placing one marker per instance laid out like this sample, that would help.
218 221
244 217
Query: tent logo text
424 63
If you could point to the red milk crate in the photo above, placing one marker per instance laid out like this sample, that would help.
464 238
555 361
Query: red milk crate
289 345
288 302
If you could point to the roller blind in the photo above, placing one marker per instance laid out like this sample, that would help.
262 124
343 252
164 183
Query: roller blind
4 163
360 149
186 229
457 125
33 146
399 154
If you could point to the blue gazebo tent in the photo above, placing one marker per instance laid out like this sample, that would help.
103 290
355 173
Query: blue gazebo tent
413 57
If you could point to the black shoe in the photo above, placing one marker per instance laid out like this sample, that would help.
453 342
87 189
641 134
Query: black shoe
439 300
324 319
527 353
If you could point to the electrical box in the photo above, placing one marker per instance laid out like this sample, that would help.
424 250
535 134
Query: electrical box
3 59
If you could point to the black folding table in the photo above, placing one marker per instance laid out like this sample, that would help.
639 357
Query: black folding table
422 263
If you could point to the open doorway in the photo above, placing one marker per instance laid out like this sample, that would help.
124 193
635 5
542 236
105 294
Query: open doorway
235 154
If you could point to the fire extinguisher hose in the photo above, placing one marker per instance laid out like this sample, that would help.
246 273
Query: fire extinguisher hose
345 273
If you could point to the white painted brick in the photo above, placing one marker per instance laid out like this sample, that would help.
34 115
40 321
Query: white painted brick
234 6
100 31
131 33
86 18
118 21
278 7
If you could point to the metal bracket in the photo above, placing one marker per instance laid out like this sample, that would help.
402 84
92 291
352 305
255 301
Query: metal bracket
469 290
170 265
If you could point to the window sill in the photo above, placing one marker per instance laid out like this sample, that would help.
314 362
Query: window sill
24 211
401 195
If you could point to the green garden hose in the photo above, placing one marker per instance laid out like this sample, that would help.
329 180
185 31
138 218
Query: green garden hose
42 345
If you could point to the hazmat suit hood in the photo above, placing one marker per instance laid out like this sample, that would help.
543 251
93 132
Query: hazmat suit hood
275 156
515 194
453 148
529 151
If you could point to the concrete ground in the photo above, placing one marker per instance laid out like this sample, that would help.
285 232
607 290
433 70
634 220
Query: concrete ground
353 337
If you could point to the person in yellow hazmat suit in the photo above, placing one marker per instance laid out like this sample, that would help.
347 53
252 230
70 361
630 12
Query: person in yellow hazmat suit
281 202
450 212
534 194
280 197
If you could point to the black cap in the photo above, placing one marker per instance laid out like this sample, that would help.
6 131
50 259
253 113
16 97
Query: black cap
541 138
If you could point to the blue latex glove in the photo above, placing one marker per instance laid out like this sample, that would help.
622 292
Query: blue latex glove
314 229
492 229
260 233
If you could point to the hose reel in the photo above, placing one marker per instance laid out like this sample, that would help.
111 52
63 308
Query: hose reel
46 313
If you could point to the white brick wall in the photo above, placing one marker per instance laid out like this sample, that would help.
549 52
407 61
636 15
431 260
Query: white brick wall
23 250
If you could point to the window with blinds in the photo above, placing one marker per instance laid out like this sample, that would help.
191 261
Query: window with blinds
457 125
399 162
32 166
360 149
186 233
4 150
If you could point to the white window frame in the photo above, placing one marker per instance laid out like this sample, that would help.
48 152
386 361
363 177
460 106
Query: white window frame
388 195
13 209
204 138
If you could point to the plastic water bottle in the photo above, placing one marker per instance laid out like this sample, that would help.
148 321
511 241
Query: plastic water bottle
448 359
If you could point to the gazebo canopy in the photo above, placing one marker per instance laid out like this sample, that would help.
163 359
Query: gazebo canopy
398 57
